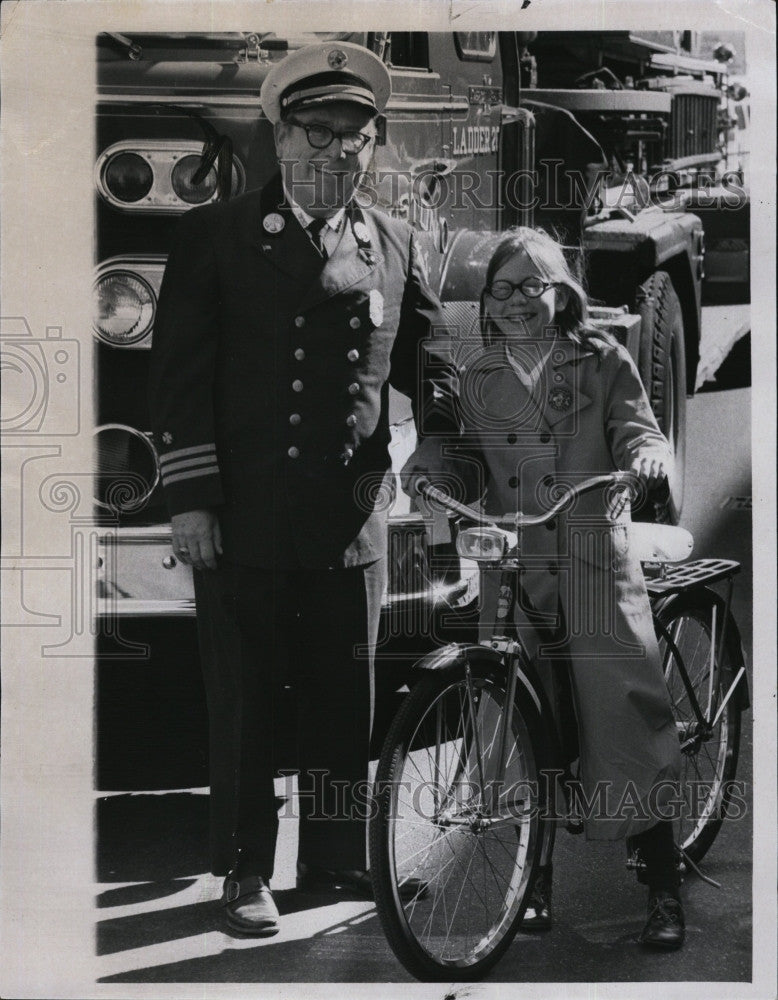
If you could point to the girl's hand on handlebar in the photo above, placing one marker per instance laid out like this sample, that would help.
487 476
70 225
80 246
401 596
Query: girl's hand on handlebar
652 475
412 482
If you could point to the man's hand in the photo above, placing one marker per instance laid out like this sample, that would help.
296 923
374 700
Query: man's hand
197 538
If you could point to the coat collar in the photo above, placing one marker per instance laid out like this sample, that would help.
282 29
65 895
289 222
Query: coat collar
281 240
556 396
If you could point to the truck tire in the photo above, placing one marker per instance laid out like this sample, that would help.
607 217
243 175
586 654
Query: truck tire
662 366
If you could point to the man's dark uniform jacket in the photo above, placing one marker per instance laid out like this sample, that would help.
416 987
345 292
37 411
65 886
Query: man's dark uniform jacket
269 392
269 376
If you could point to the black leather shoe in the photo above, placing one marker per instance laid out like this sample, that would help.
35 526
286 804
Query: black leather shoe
665 927
249 906
313 878
538 915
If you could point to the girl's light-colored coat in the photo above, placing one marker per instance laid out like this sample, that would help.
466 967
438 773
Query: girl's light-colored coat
586 414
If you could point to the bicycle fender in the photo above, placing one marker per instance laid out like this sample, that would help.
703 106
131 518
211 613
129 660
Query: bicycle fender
453 657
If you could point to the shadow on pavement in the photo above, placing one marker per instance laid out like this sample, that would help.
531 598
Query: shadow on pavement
151 838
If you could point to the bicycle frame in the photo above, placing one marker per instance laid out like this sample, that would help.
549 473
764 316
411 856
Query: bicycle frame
665 586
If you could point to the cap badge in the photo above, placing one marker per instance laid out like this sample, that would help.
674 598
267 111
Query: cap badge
337 59
376 307
273 223
560 399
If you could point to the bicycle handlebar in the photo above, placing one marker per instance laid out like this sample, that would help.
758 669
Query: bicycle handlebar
519 520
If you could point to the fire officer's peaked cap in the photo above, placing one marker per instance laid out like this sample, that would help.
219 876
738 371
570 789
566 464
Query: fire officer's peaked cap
324 73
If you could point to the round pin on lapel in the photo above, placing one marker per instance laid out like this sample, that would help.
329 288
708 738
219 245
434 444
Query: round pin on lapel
560 399
273 223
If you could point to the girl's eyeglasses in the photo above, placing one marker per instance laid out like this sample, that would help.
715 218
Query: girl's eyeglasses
320 136
531 288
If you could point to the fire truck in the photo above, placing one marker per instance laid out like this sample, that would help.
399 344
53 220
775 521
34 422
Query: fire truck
606 139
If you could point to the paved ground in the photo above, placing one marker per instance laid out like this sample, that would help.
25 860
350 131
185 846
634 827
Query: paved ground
157 922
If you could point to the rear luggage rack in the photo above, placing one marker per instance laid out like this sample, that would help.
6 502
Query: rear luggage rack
687 575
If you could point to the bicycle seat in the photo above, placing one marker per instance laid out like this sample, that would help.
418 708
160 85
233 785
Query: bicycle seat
660 542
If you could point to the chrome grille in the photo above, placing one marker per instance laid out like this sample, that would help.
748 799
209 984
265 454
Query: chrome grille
693 125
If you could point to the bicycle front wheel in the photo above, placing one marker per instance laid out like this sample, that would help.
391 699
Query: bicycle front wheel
452 853
691 627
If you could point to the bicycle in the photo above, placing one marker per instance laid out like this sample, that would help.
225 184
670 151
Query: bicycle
462 808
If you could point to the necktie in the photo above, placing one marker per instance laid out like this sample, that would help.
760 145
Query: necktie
316 230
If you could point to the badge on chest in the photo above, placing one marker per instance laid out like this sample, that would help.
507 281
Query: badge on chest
376 304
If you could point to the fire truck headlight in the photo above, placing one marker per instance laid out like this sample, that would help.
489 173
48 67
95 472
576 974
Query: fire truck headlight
126 468
124 308
181 179
128 176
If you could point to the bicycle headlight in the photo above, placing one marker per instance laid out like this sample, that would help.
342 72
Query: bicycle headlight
124 308
483 544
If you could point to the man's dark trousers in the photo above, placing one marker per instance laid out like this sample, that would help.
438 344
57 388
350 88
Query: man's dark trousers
314 627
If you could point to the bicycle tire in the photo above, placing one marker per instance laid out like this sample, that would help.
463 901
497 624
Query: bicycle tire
405 921
712 761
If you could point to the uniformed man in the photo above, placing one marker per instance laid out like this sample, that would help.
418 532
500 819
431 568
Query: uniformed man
283 317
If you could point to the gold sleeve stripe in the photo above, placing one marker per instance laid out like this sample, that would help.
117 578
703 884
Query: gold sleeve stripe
200 449
188 463
178 477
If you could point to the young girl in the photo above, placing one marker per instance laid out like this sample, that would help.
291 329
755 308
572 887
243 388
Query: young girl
546 400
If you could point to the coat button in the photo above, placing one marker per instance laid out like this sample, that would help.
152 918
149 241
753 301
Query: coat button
355 322
353 354
295 419
299 321
299 354
351 420
513 482
512 439
548 481
348 454
354 388
297 385
293 452
545 437
558 377
551 525
552 569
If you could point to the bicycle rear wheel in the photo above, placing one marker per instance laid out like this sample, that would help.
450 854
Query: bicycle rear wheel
469 875
709 753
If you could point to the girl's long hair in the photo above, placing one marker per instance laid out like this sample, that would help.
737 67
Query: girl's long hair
548 257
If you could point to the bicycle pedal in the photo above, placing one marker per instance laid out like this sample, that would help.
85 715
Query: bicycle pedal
636 863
